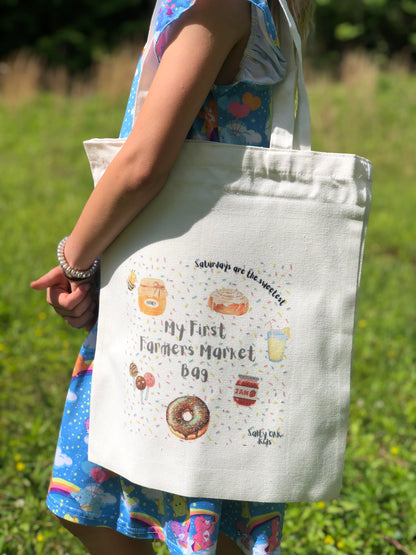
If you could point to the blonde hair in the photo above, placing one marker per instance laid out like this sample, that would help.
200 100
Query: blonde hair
302 11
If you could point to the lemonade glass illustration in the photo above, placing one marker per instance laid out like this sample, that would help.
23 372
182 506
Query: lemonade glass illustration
276 340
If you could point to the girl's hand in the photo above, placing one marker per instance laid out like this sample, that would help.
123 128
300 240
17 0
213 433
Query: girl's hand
76 302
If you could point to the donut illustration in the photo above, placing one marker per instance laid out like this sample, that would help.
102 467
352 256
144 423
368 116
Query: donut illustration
187 417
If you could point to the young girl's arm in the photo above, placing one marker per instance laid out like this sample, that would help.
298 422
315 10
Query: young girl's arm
207 38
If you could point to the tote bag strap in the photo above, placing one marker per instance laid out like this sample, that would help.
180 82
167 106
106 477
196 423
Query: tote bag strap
149 64
291 128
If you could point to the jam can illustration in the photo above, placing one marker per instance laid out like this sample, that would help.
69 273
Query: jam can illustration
152 296
245 391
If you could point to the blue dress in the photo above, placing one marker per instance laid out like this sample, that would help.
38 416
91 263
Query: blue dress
85 493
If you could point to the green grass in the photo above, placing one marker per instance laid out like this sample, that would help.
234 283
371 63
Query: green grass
45 180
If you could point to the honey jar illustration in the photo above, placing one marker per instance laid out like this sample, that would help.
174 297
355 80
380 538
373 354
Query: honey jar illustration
152 296
245 391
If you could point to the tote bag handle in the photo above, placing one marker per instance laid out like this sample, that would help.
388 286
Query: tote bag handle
149 65
291 124
288 131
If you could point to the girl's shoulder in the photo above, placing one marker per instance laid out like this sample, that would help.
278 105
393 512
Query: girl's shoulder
167 12
262 64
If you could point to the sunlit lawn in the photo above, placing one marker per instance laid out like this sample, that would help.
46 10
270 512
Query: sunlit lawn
44 182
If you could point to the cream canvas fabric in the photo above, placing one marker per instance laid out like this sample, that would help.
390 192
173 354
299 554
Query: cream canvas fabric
226 316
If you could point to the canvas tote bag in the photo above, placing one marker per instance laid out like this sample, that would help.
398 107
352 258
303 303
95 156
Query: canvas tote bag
226 315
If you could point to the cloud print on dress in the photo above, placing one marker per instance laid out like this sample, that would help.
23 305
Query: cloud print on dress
61 459
71 396
251 136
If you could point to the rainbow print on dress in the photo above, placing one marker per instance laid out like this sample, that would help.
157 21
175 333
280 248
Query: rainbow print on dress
63 487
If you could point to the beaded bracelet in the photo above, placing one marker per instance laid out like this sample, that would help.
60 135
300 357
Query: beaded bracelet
71 273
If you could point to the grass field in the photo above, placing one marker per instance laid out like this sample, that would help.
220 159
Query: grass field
44 182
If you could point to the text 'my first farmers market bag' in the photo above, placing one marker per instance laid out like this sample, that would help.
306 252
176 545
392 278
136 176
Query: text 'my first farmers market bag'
227 311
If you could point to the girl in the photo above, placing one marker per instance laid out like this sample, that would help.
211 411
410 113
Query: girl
208 52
